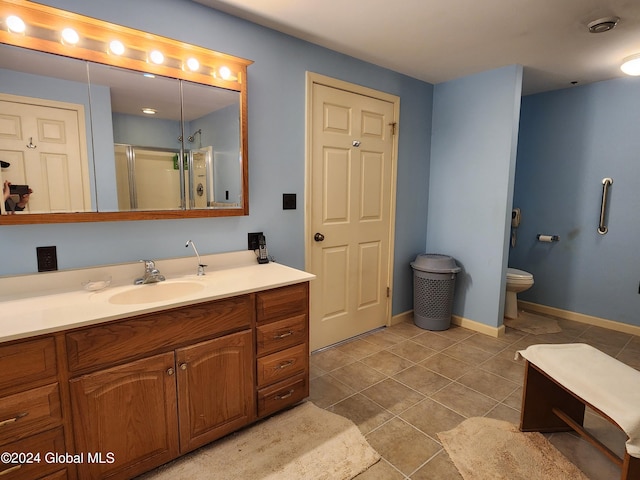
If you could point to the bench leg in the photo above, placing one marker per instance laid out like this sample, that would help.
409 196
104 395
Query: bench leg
630 468
540 396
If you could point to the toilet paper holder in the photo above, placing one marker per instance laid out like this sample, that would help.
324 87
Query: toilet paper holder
547 238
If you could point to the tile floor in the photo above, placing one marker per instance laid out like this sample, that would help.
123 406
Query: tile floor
402 385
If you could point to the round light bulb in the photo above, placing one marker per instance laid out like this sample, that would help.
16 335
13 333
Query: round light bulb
193 64
15 24
225 73
116 47
631 65
156 57
70 36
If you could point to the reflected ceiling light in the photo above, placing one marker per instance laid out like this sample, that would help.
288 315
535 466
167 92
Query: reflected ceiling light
149 75
70 36
149 111
15 24
116 47
225 73
156 57
631 65
193 64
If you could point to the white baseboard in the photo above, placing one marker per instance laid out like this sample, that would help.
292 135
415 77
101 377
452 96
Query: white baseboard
478 326
456 320
402 317
579 317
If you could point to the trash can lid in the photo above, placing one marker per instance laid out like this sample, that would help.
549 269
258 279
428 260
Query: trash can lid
435 263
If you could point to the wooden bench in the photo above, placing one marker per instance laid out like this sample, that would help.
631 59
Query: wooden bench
548 405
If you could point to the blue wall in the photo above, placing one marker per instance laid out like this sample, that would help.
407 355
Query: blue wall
276 95
475 130
569 141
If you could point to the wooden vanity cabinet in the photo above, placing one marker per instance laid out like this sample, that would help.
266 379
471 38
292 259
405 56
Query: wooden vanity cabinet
282 347
130 395
31 412
148 411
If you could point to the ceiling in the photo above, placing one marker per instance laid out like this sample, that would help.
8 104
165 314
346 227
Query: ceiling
440 40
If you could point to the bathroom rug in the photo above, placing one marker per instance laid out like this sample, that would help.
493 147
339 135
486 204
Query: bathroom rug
487 449
305 442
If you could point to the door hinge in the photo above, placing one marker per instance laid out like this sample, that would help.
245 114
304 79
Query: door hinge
393 127
388 292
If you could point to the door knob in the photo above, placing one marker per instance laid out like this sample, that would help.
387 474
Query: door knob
318 237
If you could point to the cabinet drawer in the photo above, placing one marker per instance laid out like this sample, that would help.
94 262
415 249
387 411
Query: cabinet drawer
283 394
281 303
280 365
29 412
275 336
157 332
26 363
45 445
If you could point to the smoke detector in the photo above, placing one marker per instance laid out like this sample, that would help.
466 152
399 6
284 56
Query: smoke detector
603 24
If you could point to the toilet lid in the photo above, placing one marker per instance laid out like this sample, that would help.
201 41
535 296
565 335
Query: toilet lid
516 274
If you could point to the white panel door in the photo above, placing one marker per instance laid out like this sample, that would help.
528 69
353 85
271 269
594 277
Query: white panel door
46 148
352 173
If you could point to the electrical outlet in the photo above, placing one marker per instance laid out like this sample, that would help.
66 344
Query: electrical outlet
252 241
47 259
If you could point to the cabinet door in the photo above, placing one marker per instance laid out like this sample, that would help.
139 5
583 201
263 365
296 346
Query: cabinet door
128 412
215 388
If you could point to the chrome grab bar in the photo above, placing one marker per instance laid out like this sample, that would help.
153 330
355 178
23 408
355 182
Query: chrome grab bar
606 182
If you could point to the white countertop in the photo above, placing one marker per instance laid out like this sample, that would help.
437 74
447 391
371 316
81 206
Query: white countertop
61 302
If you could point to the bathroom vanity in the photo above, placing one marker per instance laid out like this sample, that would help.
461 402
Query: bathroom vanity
118 389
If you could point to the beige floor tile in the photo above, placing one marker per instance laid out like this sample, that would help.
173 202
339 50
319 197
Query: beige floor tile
468 354
508 369
404 384
464 401
358 349
485 343
387 362
381 471
431 418
393 396
331 359
326 390
422 379
446 366
439 468
488 383
455 333
505 413
406 329
586 457
366 414
402 445
412 351
434 341
358 376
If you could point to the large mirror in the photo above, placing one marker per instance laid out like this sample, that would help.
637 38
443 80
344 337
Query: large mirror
99 137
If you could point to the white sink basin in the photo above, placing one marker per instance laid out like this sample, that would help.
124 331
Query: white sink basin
154 292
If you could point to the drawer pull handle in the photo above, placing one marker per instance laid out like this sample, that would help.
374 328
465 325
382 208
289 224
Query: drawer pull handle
9 470
170 371
283 335
284 396
14 419
183 366
286 364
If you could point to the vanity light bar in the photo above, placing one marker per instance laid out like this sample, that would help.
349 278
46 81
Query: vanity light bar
31 25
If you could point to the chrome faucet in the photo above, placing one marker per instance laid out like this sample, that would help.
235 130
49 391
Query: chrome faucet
200 264
151 274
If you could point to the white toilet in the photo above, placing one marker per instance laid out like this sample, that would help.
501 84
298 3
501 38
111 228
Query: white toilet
517 281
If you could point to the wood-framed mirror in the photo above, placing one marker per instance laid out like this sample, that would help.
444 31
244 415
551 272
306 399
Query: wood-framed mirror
72 126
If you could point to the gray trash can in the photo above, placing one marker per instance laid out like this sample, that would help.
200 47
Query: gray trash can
434 280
